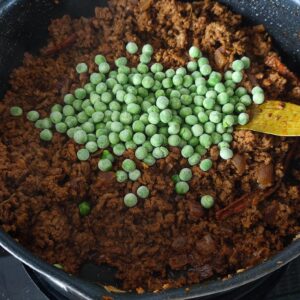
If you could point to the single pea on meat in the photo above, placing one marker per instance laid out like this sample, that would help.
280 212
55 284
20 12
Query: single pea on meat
33 116
130 200
143 192
16 111
81 68
84 208
207 201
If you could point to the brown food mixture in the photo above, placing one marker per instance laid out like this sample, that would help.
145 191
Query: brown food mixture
166 240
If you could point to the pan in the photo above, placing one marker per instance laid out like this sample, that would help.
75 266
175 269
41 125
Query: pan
23 27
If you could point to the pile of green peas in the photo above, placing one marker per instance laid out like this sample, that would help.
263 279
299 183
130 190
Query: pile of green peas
147 108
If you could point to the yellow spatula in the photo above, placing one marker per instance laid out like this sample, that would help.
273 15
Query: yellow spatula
275 117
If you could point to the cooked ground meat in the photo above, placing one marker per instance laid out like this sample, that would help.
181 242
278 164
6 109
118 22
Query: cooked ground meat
166 240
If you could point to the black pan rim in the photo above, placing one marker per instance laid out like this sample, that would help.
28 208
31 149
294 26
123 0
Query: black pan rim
88 290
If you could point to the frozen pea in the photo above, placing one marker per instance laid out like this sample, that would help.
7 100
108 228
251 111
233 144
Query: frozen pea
185 174
207 201
181 187
194 159
130 200
143 192
226 153
205 164
187 151
83 154
134 175
121 176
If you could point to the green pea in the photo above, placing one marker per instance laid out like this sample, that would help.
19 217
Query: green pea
243 118
130 200
205 140
46 135
128 165
141 153
80 137
237 76
195 52
185 133
185 174
119 149
83 154
187 151
102 141
194 159
99 59
238 65
226 153
205 164
209 127
121 176
131 47
105 165
33 116
91 146
125 135
143 192
134 175
149 160
80 93
207 201
147 49
56 107
174 140
84 208
16 111
61 127
181 188
246 61
258 98
205 69
150 129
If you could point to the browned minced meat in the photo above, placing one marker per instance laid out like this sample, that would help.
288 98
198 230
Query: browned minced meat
166 240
